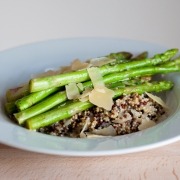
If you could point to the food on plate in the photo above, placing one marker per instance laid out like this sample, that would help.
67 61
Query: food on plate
104 96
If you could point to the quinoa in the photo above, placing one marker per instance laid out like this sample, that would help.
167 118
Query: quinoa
126 116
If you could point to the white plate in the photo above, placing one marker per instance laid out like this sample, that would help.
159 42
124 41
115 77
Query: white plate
16 66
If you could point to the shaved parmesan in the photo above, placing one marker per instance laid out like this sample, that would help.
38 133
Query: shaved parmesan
100 96
85 127
157 99
146 124
83 99
72 91
102 99
66 69
96 77
77 65
101 61
67 122
90 135
85 95
108 131
80 86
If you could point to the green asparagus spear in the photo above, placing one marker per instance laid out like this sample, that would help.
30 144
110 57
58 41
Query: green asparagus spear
121 83
125 75
39 84
58 114
111 78
55 100
35 97
120 57
41 107
172 63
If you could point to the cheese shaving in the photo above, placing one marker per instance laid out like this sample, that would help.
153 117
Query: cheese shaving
80 86
96 77
157 99
146 124
100 96
78 65
66 69
75 65
85 127
72 91
102 99
101 61
85 95
108 131
90 135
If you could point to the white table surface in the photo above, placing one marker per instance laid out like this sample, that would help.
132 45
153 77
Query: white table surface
23 22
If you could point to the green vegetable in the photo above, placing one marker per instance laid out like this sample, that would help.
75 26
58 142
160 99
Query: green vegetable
71 109
44 100
33 98
120 57
39 84
41 107
60 97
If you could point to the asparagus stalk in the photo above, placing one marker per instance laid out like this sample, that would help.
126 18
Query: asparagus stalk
60 97
39 84
53 101
41 107
120 57
174 62
35 97
125 75
58 114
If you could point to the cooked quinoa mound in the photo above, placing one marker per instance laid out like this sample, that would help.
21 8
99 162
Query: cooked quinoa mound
129 114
